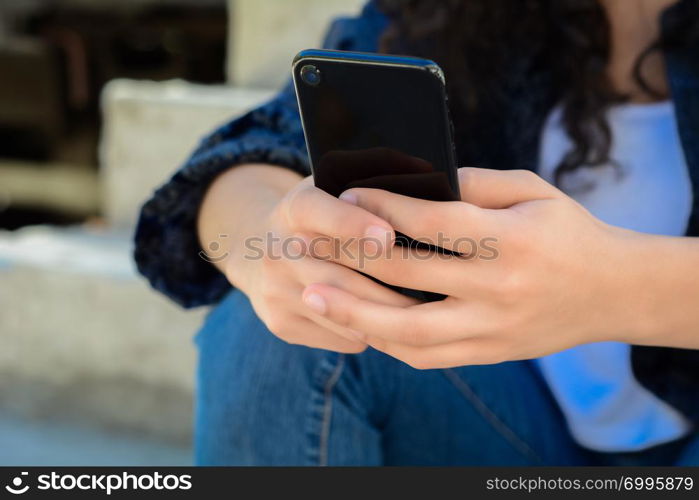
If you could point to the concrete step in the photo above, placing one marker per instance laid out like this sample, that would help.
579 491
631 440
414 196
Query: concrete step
85 339
38 443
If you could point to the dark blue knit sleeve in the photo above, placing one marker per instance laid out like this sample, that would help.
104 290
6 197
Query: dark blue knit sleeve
166 245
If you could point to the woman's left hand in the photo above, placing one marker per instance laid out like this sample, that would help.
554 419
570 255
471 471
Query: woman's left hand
538 274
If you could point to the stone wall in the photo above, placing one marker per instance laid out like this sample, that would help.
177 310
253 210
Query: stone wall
151 128
266 34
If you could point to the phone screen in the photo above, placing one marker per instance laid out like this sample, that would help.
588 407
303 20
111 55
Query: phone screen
373 122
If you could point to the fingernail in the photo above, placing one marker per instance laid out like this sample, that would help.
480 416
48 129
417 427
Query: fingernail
378 232
316 303
359 335
376 237
296 248
349 197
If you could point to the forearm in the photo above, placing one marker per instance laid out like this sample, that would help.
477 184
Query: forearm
667 288
234 206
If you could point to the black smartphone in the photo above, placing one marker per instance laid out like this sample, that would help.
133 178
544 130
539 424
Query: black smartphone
379 121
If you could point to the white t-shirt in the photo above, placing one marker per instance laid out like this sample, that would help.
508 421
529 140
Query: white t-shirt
647 190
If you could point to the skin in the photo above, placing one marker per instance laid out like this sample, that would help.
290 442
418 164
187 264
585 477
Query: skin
562 277
259 200
634 26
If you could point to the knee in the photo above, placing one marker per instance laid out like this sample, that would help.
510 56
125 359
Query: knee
237 351
246 379
231 322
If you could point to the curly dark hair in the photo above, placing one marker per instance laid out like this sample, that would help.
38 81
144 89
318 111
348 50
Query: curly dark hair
479 42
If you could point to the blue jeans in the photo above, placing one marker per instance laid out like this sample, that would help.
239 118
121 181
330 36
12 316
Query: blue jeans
261 401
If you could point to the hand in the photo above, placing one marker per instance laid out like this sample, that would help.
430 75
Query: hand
560 277
274 281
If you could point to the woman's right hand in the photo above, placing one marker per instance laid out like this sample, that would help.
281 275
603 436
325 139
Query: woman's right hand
274 262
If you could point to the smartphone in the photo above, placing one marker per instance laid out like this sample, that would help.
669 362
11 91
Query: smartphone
378 121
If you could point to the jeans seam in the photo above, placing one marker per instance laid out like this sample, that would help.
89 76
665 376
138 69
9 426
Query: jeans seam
328 388
500 427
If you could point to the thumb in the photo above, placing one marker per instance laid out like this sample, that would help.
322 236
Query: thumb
497 189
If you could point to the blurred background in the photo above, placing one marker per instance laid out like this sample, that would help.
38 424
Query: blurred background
99 102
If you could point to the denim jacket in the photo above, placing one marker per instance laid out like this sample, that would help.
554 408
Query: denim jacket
166 244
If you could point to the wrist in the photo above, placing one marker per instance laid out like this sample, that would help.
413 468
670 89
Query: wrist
233 212
248 245
656 289
622 308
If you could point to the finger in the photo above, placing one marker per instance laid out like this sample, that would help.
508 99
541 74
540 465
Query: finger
414 268
496 189
305 332
345 333
311 210
309 270
413 325
444 224
475 351
290 295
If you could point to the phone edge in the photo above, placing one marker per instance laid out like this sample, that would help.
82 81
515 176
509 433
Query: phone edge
371 58
380 60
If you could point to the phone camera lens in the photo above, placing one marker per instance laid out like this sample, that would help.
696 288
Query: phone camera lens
310 75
